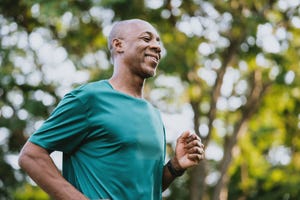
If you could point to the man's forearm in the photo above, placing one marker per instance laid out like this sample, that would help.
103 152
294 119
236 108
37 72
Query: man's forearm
37 163
167 178
170 172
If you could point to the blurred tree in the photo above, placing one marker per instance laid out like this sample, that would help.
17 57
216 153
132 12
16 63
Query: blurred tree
29 192
235 60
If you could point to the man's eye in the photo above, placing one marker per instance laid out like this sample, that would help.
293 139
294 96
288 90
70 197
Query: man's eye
146 39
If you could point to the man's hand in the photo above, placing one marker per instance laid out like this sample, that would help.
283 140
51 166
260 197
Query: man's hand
189 151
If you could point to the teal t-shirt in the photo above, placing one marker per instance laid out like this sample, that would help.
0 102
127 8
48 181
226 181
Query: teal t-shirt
113 144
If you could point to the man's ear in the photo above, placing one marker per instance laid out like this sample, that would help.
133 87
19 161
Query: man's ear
118 45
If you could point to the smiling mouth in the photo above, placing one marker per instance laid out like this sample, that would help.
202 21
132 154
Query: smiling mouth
153 58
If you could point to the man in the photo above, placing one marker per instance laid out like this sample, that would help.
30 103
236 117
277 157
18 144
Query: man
113 140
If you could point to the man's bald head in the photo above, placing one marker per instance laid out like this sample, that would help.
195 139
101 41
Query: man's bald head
121 29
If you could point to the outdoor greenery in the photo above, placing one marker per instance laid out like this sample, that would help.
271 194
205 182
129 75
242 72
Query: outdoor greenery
230 67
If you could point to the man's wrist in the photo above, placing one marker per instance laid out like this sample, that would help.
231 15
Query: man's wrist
175 172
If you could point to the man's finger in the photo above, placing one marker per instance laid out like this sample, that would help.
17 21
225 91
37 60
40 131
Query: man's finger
193 137
194 143
196 157
185 135
196 150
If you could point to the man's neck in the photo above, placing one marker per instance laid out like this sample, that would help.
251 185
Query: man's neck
130 86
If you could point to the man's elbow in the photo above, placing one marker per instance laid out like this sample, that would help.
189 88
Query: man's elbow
29 153
21 160
24 158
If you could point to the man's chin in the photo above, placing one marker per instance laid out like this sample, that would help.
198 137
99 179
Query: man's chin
151 72
150 75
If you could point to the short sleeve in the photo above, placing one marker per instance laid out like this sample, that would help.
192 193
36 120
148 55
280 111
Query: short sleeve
66 127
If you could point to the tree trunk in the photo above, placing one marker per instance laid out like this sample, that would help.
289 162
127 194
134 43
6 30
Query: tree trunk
220 192
252 105
197 181
197 174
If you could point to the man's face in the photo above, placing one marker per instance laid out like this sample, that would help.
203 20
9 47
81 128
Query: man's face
142 49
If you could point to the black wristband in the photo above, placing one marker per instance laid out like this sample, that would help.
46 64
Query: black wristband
173 171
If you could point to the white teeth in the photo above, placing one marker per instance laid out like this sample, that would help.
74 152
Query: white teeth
152 58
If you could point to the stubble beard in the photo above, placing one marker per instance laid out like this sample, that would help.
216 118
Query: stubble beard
151 71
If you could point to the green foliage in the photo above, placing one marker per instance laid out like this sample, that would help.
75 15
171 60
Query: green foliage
8 180
29 192
203 40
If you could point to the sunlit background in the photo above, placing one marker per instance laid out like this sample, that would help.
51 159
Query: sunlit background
230 73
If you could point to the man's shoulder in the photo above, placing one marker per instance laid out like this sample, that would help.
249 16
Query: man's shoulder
88 92
91 88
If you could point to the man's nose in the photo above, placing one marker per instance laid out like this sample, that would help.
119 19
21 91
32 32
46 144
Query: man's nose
155 45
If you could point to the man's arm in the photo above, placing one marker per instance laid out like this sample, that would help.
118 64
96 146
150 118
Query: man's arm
189 151
37 163
168 177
